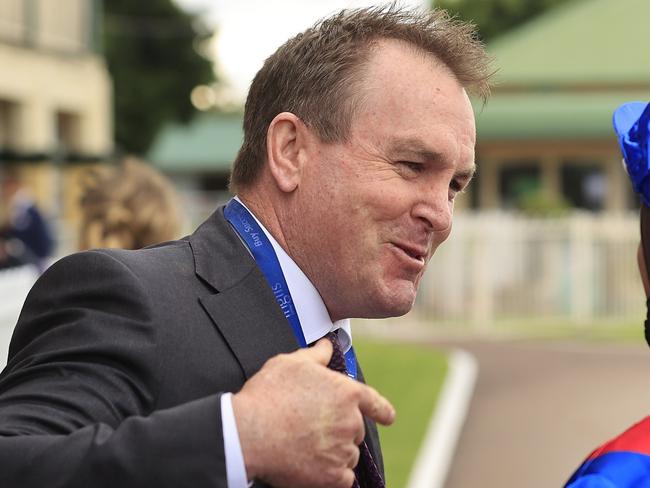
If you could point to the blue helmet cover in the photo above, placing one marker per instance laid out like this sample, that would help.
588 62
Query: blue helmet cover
631 122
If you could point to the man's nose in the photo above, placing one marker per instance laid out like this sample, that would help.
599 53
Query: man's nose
435 210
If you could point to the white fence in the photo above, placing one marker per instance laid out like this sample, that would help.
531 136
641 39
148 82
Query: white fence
14 286
502 267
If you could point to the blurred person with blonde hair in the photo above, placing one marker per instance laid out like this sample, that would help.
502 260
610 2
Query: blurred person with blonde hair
127 206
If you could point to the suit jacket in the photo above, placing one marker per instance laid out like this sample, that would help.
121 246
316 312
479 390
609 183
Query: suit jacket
119 359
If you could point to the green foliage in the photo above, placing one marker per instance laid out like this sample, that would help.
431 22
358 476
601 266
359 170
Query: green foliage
494 17
150 48
410 377
540 204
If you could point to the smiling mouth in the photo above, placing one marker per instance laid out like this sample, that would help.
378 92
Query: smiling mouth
412 253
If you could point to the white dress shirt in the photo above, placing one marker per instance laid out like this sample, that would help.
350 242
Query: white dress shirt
315 323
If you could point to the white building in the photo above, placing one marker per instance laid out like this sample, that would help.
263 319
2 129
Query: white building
55 96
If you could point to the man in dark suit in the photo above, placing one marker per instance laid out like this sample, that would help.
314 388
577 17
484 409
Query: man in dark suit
181 365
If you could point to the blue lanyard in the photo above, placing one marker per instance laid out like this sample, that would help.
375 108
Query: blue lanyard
262 249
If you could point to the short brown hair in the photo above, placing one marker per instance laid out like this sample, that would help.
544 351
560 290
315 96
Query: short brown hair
313 75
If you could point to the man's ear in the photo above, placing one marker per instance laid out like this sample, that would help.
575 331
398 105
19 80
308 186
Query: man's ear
286 139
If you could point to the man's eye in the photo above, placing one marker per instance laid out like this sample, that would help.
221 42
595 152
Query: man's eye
412 166
456 186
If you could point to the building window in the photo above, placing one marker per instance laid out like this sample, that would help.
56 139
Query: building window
518 181
584 184
68 134
8 125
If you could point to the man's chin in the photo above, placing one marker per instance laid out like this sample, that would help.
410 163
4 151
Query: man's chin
395 312
392 305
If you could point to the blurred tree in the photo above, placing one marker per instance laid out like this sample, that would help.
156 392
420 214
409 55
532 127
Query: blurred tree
153 50
494 17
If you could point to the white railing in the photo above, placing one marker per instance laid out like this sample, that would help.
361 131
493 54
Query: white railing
14 286
500 267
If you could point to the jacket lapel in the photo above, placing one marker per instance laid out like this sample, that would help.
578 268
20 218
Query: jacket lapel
244 307
251 321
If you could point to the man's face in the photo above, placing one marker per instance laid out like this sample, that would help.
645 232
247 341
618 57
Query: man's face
374 209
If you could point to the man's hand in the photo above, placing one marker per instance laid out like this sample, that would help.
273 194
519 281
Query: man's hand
300 423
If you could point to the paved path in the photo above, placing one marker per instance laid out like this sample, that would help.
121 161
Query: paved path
540 407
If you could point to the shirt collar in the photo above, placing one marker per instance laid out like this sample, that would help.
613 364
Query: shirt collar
314 318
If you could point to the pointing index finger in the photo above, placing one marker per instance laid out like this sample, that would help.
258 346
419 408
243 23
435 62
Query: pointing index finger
376 407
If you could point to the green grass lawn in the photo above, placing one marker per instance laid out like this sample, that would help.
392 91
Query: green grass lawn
617 331
410 377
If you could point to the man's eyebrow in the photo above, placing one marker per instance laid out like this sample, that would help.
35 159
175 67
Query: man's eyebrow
414 147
